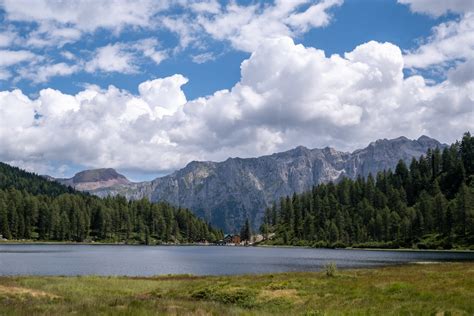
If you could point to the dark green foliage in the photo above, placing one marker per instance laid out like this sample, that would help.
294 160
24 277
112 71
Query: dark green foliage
245 232
244 297
32 207
13 177
429 205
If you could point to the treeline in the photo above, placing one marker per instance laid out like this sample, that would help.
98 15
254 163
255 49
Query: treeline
428 205
32 207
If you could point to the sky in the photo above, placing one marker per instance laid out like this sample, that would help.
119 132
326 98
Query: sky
147 86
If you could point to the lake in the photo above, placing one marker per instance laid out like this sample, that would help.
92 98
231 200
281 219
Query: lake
37 259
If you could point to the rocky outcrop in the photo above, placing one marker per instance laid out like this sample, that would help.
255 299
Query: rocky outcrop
227 192
89 180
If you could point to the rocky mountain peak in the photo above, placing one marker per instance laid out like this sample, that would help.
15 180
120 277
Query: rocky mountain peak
428 141
95 175
89 180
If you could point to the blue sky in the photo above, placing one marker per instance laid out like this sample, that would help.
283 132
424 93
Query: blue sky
353 23
78 67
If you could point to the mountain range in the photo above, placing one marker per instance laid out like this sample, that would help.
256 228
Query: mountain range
226 193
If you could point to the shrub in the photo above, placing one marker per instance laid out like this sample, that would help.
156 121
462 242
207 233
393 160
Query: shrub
320 244
338 244
330 269
238 296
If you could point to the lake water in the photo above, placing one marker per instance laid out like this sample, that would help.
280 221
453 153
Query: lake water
24 259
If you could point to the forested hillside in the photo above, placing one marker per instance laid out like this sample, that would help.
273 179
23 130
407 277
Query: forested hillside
13 177
429 204
32 207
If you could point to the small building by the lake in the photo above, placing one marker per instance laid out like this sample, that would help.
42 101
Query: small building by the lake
231 240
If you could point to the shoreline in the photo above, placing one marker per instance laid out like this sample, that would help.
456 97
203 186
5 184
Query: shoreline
72 243
371 249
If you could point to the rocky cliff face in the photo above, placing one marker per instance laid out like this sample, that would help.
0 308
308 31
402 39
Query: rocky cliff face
227 192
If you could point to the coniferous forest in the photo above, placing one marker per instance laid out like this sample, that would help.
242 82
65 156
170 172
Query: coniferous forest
428 204
34 208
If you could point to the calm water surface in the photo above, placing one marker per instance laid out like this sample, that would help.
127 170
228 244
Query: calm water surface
37 259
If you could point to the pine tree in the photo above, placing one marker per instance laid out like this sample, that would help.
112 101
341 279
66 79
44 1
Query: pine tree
4 227
245 232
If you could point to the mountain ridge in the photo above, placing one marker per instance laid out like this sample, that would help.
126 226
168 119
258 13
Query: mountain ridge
227 192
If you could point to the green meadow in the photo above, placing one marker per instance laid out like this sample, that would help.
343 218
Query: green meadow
431 289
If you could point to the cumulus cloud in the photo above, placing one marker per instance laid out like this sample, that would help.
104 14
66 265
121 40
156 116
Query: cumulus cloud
288 95
452 40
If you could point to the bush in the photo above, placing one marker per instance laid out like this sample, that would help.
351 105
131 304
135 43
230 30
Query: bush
238 296
330 269
320 244
338 244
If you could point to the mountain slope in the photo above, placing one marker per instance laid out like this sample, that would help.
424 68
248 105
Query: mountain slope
227 192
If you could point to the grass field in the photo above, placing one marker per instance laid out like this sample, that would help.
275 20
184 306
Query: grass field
431 289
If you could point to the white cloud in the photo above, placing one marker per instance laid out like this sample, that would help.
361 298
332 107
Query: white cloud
164 95
44 72
56 23
315 16
205 6
46 25
85 15
119 57
52 35
112 58
203 57
148 48
450 41
462 74
10 58
439 7
288 95
124 57
246 26
68 55
7 38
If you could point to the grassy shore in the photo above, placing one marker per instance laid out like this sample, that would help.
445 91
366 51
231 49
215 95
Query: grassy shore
432 289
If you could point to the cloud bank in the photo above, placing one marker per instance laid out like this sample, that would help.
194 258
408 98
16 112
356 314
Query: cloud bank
288 95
